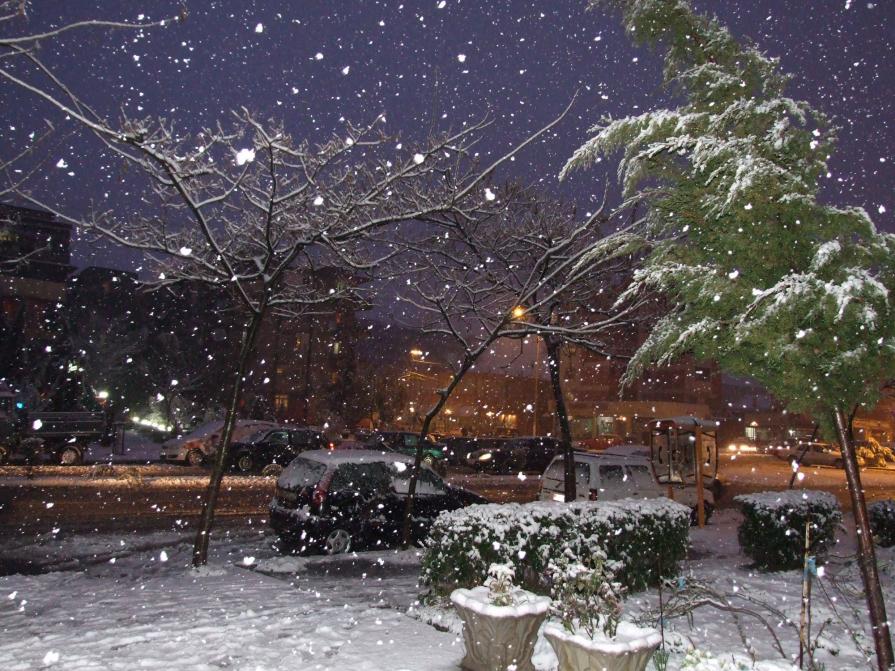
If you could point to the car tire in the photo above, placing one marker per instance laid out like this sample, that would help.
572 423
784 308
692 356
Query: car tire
195 458
245 462
338 541
272 471
70 456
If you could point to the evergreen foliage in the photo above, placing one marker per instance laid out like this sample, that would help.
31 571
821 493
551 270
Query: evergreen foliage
773 528
760 275
882 522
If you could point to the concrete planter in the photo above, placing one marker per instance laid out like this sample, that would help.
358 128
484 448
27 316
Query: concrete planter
499 637
630 650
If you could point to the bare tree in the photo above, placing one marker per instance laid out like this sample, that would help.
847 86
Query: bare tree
249 210
516 273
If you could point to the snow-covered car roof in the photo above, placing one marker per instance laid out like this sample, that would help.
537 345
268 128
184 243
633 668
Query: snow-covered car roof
216 426
354 456
626 451
608 456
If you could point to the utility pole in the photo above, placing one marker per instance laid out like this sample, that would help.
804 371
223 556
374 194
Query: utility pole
534 366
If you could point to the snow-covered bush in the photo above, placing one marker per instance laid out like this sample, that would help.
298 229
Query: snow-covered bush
586 596
882 521
773 529
500 584
634 535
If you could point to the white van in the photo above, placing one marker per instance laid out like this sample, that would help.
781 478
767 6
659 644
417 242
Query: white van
604 476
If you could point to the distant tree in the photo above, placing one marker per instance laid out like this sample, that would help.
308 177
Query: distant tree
757 273
570 302
517 273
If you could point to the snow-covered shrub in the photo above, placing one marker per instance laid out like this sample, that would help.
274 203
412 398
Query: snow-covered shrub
586 596
882 521
634 535
773 529
500 584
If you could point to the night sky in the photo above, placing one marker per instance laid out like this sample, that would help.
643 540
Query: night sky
440 63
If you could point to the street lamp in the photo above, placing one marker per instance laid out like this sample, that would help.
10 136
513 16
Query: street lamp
518 312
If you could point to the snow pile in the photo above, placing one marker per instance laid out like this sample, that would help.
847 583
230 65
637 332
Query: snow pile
632 533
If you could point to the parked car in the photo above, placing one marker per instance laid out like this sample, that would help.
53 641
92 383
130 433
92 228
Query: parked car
405 442
335 501
611 476
268 448
200 444
460 449
815 454
530 454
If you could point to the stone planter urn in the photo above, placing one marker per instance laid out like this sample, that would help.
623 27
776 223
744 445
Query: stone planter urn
630 649
499 637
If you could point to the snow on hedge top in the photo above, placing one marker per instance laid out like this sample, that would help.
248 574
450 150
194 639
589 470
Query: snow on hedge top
793 499
515 515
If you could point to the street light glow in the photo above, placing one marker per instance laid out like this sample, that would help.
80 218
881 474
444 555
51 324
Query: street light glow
518 312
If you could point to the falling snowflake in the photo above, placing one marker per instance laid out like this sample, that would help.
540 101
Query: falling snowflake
244 156
259 28
418 158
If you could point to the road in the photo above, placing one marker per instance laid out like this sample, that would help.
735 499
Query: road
168 497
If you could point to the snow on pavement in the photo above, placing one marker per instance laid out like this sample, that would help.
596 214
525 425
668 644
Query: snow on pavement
132 602
150 611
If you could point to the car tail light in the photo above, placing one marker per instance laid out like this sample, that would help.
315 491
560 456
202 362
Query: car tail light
593 494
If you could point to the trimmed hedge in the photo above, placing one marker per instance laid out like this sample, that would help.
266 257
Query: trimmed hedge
773 528
633 533
882 522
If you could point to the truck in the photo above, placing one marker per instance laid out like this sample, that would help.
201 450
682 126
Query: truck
59 437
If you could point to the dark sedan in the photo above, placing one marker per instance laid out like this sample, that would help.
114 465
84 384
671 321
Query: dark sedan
343 500
269 450
531 454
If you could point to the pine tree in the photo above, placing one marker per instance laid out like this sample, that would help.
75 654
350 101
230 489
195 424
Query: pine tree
757 272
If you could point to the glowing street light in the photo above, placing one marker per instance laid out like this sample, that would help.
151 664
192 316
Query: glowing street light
518 312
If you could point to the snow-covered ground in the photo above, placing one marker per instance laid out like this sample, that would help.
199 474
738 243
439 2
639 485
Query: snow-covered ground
128 602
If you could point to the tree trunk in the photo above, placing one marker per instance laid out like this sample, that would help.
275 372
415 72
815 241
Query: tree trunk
553 362
206 519
443 395
866 555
